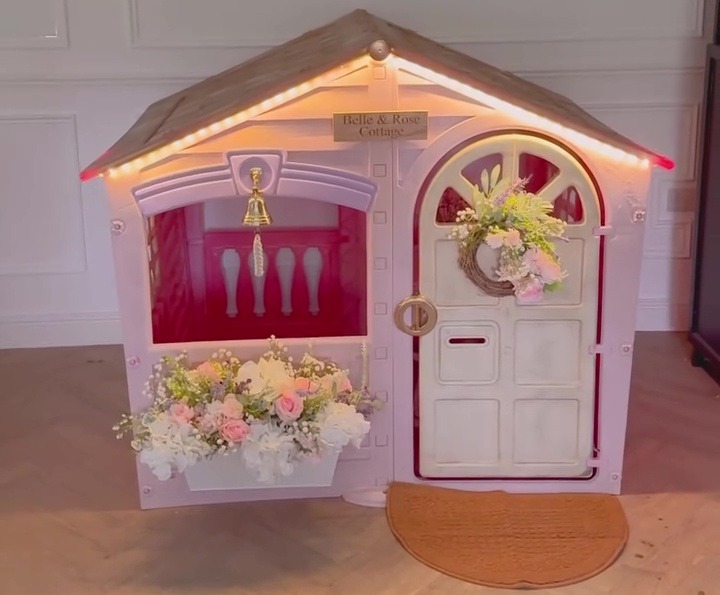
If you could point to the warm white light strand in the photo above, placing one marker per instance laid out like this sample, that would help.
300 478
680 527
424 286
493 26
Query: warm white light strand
531 118
232 121
500 105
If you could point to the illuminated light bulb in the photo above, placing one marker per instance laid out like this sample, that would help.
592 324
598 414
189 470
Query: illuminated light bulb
113 173
202 132
126 167
616 153
177 145
227 122
645 163
189 139
216 127
631 159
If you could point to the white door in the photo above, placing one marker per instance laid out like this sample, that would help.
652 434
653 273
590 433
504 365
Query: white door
507 390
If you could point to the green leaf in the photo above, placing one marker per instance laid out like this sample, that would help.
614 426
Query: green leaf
495 175
485 181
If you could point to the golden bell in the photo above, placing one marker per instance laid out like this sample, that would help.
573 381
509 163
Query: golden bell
256 214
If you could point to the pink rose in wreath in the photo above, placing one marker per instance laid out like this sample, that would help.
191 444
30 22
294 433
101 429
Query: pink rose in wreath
288 406
530 291
234 430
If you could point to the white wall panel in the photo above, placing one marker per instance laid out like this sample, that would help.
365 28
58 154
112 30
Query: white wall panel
41 228
33 24
183 23
668 128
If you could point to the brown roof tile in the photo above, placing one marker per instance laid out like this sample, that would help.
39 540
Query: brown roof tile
319 51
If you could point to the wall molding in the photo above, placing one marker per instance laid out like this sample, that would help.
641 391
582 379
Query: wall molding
58 10
59 329
658 314
69 268
693 110
528 34
160 80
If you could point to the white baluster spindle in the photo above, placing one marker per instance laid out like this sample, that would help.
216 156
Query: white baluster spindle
258 283
313 264
285 264
230 266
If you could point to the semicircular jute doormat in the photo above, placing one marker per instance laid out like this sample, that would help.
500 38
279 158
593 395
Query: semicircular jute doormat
496 539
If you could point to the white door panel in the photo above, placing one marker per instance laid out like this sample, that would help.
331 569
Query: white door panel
508 390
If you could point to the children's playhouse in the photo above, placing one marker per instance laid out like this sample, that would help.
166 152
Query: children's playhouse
356 145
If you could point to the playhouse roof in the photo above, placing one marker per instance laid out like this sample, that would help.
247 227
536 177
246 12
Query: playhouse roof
323 49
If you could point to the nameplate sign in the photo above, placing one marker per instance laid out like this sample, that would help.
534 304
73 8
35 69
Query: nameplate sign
374 126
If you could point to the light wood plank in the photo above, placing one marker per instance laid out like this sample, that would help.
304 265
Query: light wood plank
70 522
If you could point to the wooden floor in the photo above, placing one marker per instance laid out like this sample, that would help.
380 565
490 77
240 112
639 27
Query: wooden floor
70 524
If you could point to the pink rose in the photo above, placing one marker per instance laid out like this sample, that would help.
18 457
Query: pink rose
181 413
231 407
208 372
530 291
288 406
544 265
306 385
234 430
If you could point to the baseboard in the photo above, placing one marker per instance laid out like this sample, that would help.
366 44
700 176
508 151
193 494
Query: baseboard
656 314
59 330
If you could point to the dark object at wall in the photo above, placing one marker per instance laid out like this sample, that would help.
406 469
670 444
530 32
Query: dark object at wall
705 330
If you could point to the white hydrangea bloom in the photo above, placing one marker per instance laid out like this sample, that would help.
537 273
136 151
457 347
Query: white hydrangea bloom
341 424
171 445
268 451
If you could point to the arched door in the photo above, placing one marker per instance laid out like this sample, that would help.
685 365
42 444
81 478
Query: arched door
505 389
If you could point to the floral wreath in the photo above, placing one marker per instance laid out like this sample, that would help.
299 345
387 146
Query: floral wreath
274 412
518 224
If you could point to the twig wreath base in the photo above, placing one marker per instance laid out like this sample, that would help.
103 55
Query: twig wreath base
467 260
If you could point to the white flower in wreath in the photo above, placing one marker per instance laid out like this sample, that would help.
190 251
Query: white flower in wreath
510 238
341 424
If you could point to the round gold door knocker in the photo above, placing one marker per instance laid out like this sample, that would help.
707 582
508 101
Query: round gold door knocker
423 316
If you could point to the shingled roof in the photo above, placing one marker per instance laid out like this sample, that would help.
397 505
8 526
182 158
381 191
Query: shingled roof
323 49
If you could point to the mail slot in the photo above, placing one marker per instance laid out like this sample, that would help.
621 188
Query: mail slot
469 353
467 341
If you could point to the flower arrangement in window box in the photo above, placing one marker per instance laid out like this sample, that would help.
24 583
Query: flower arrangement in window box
517 224
273 412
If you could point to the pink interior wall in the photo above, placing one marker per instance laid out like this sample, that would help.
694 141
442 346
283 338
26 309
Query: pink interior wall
197 311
